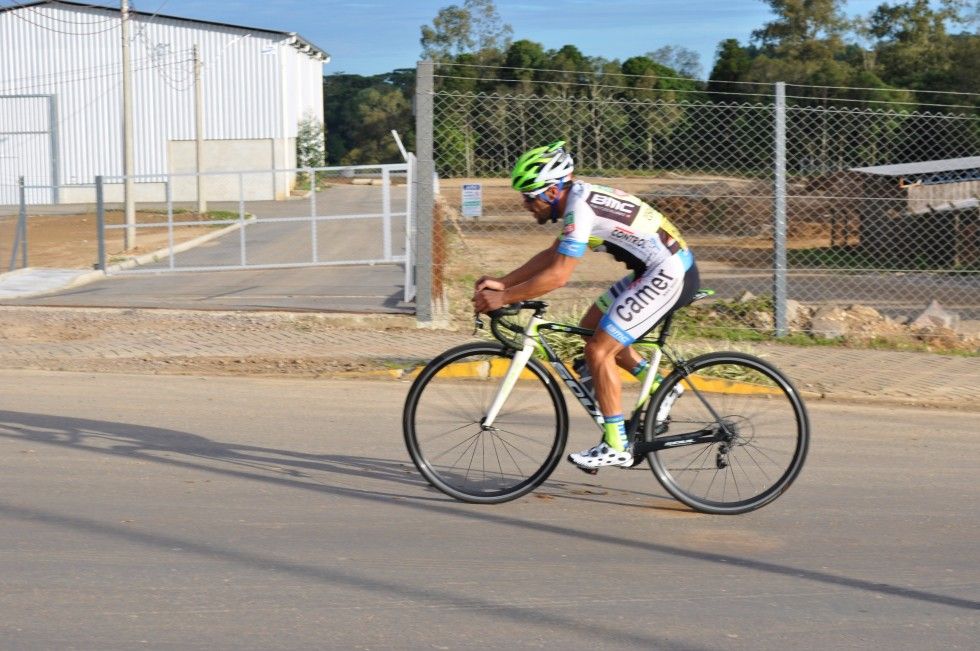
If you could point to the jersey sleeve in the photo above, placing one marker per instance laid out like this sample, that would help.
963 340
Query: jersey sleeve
579 220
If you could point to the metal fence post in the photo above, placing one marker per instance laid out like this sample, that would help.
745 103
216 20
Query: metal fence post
409 226
424 195
386 214
22 223
168 189
100 221
779 214
241 214
314 245
20 229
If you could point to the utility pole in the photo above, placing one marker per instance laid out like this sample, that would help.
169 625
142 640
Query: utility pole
202 205
129 241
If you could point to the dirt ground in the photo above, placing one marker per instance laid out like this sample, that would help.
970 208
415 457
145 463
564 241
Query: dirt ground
71 241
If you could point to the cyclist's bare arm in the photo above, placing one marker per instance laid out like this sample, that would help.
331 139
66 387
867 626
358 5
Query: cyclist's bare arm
551 271
532 267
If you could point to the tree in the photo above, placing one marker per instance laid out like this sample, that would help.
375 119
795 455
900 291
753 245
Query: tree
310 142
732 63
913 48
522 58
684 61
804 30
475 28
344 110
488 31
379 111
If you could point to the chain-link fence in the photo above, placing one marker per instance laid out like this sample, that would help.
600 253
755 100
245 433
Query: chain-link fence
828 211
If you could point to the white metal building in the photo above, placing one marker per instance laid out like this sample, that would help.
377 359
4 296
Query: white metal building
61 99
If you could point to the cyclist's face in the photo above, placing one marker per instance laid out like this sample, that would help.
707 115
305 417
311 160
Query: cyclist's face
539 206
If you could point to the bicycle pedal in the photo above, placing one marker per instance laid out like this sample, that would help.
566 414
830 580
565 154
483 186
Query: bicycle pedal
588 471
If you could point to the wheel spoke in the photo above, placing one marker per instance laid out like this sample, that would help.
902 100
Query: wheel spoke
766 436
497 463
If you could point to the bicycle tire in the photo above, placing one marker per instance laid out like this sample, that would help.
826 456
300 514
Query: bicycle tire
445 438
752 404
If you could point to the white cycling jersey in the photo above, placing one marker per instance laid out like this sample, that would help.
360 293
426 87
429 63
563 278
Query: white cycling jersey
605 219
633 232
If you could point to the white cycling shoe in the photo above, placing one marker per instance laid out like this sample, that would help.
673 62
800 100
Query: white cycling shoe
601 456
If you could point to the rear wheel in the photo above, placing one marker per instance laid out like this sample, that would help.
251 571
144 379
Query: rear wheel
444 431
757 425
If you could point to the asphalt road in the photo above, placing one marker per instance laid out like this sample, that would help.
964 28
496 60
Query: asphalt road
225 513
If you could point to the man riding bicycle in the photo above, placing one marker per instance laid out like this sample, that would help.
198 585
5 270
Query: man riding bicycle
662 278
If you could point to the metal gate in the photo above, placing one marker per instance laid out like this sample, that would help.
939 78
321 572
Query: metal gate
354 215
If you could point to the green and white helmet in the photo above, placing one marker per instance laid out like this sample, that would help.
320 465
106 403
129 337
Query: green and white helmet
542 167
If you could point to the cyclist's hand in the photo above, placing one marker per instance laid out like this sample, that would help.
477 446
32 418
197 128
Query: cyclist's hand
486 282
488 300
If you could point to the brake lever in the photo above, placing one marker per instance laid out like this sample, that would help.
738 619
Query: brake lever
477 323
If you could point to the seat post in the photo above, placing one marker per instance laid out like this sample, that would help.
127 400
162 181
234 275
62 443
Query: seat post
665 329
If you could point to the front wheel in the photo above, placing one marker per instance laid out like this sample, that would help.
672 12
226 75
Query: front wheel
444 429
735 437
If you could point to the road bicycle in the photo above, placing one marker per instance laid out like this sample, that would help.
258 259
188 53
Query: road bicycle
486 422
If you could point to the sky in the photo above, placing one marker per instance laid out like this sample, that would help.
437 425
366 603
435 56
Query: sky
370 37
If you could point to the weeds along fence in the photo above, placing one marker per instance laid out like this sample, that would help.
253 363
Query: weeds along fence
807 202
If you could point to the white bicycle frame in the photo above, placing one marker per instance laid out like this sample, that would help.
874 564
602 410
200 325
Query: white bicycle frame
521 358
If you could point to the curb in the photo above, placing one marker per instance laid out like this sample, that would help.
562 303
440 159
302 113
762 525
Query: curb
498 368
408 374
160 254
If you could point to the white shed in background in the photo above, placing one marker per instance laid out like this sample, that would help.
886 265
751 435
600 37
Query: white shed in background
61 100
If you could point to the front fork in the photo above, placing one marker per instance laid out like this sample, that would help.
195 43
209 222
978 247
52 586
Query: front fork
517 364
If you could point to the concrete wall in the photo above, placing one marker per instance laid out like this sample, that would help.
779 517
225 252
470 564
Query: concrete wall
233 156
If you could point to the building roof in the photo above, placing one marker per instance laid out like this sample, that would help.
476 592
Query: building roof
297 41
924 167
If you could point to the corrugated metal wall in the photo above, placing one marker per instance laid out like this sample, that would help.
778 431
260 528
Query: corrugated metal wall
256 85
26 142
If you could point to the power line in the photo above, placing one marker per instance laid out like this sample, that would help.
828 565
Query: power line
107 72
35 11
53 77
18 16
688 79
883 90
702 91
179 85
573 83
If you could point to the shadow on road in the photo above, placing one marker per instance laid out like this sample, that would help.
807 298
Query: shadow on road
292 469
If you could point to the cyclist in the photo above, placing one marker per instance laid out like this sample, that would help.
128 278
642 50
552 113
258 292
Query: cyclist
662 277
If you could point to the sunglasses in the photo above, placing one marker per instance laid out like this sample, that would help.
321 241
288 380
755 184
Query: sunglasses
531 197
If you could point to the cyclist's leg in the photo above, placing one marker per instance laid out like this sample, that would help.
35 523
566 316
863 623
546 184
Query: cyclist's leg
603 354
626 358
635 309
613 449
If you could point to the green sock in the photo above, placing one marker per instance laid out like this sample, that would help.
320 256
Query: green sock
639 371
615 432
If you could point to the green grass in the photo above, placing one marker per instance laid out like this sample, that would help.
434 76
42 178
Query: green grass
854 258
724 322
220 216
303 181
